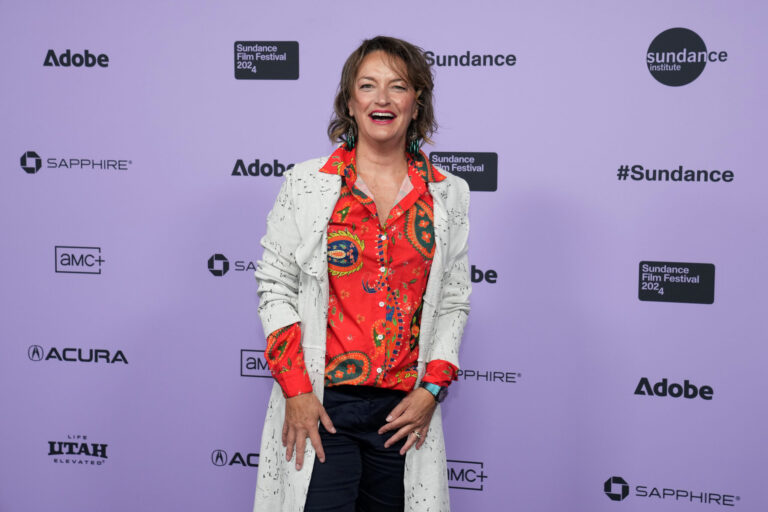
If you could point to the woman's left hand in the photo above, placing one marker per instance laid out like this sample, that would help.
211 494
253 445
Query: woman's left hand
412 415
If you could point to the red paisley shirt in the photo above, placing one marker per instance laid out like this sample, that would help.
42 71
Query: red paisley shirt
377 277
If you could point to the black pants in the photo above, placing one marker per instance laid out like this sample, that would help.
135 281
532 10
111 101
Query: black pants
359 474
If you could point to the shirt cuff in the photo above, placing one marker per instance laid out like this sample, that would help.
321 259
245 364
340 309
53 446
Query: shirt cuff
286 360
440 372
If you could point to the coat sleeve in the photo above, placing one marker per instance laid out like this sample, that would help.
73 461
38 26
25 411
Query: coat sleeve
277 272
453 308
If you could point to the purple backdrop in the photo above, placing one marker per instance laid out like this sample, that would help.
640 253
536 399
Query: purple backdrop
130 377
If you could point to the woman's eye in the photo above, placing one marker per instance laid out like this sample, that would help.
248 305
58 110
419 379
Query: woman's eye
366 86
401 88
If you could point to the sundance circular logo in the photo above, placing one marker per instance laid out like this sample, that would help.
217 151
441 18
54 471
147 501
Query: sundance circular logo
678 56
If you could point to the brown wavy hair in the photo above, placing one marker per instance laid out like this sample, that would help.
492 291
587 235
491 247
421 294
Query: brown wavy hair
417 73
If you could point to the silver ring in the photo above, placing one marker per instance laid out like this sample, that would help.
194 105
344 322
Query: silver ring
417 434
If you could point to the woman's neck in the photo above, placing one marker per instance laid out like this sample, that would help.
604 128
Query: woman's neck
370 160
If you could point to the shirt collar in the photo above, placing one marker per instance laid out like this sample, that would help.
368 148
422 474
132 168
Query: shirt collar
342 163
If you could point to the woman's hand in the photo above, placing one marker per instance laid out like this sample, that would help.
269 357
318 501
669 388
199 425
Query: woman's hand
412 415
302 413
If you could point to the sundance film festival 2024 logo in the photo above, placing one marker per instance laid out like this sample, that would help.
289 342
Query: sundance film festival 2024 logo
617 488
479 170
31 162
266 60
678 56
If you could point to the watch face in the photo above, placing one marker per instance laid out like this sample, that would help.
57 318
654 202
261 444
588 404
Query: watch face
442 394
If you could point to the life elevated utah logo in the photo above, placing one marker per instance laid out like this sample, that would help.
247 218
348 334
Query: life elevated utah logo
78 449
678 56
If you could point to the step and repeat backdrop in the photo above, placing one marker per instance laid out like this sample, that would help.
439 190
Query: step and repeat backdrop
614 357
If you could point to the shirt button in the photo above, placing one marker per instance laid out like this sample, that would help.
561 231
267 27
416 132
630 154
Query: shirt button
382 269
380 336
381 304
383 237
378 370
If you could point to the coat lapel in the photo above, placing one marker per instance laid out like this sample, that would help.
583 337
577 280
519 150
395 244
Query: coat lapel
314 213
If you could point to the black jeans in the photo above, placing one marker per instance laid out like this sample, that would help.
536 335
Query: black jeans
359 474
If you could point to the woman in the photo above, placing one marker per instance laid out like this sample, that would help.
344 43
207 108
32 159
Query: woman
364 288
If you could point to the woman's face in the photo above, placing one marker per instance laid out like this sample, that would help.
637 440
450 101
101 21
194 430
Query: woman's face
383 103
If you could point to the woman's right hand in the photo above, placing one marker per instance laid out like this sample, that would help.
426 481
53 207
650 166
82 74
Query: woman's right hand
302 412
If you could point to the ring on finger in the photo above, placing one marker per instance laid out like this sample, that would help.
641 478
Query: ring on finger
417 434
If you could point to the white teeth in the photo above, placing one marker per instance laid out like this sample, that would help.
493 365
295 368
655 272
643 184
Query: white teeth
383 115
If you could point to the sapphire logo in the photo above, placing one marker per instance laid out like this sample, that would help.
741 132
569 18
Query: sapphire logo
31 162
616 488
218 265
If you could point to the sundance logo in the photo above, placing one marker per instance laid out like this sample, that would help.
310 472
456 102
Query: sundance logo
220 458
75 355
678 56
69 59
674 390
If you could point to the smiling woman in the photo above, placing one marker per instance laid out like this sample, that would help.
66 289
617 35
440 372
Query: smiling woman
360 249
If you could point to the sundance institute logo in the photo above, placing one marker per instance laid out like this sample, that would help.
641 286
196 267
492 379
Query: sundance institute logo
678 56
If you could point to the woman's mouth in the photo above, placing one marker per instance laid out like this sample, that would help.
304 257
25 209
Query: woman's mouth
382 116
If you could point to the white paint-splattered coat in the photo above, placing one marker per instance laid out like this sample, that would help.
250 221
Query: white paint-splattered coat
293 287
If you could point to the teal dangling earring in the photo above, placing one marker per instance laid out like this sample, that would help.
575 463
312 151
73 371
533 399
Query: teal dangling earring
413 143
349 139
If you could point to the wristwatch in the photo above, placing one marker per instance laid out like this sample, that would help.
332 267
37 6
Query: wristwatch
437 391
